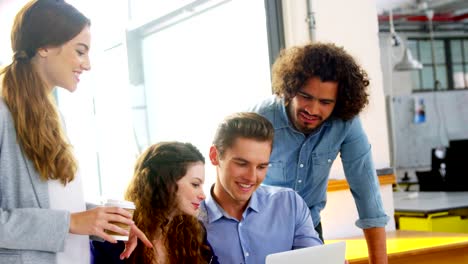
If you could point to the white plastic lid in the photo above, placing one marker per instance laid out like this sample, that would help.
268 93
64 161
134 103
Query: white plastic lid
120 203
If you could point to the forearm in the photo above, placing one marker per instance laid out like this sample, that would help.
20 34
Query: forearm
376 245
33 229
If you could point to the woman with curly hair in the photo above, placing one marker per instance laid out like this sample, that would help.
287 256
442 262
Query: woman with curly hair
319 92
167 191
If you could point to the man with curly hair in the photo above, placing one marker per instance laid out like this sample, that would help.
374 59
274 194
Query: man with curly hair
319 92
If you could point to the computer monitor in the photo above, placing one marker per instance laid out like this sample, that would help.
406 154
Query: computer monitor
430 181
457 165
459 143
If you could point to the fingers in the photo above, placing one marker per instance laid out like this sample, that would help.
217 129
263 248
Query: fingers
130 245
134 230
113 219
106 237
115 229
118 219
97 220
118 211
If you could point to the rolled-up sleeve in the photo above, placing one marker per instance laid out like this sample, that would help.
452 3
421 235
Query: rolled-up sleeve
360 173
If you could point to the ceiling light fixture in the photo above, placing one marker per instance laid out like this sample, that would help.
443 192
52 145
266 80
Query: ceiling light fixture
407 63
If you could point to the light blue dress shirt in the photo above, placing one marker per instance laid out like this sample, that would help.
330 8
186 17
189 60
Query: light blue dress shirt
303 163
275 220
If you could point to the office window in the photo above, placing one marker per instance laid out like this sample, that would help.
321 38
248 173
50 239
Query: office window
142 11
459 55
449 66
202 68
98 114
172 78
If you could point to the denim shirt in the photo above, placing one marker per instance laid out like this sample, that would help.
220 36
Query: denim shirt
303 162
275 220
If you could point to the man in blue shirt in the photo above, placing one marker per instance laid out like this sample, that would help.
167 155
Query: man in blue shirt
246 221
319 92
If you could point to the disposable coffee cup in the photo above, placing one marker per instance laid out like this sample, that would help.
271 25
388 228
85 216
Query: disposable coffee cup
130 207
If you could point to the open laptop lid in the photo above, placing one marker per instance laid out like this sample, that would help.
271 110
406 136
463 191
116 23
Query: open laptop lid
324 254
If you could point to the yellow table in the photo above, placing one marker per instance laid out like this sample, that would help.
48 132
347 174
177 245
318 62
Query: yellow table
432 211
413 247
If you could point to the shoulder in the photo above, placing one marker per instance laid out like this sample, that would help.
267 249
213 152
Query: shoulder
280 199
272 108
344 127
4 110
6 120
354 128
267 105
269 193
5 114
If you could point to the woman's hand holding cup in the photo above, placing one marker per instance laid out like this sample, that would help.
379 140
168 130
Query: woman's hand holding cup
111 222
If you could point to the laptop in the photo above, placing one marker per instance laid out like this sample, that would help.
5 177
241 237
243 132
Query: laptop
333 253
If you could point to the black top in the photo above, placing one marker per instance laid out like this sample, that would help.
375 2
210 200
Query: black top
108 253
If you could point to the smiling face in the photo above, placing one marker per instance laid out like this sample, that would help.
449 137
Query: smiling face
312 105
62 66
240 171
190 189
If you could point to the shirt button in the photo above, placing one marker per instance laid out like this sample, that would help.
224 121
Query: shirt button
246 254
299 181
329 160
301 165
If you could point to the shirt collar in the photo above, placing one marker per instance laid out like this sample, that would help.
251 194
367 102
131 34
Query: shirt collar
254 202
215 211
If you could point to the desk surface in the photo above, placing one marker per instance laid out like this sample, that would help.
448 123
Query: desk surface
429 202
409 246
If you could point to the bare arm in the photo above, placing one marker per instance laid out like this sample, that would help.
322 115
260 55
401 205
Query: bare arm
376 245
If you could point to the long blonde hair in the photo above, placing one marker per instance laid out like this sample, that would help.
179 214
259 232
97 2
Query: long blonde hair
37 121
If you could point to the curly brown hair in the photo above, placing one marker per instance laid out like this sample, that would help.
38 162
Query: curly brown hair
295 66
153 189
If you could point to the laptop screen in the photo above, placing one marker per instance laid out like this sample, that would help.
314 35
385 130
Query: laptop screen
324 254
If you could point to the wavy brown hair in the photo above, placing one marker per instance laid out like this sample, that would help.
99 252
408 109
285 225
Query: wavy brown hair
153 189
38 125
329 62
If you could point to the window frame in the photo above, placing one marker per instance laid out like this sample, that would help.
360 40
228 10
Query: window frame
449 64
